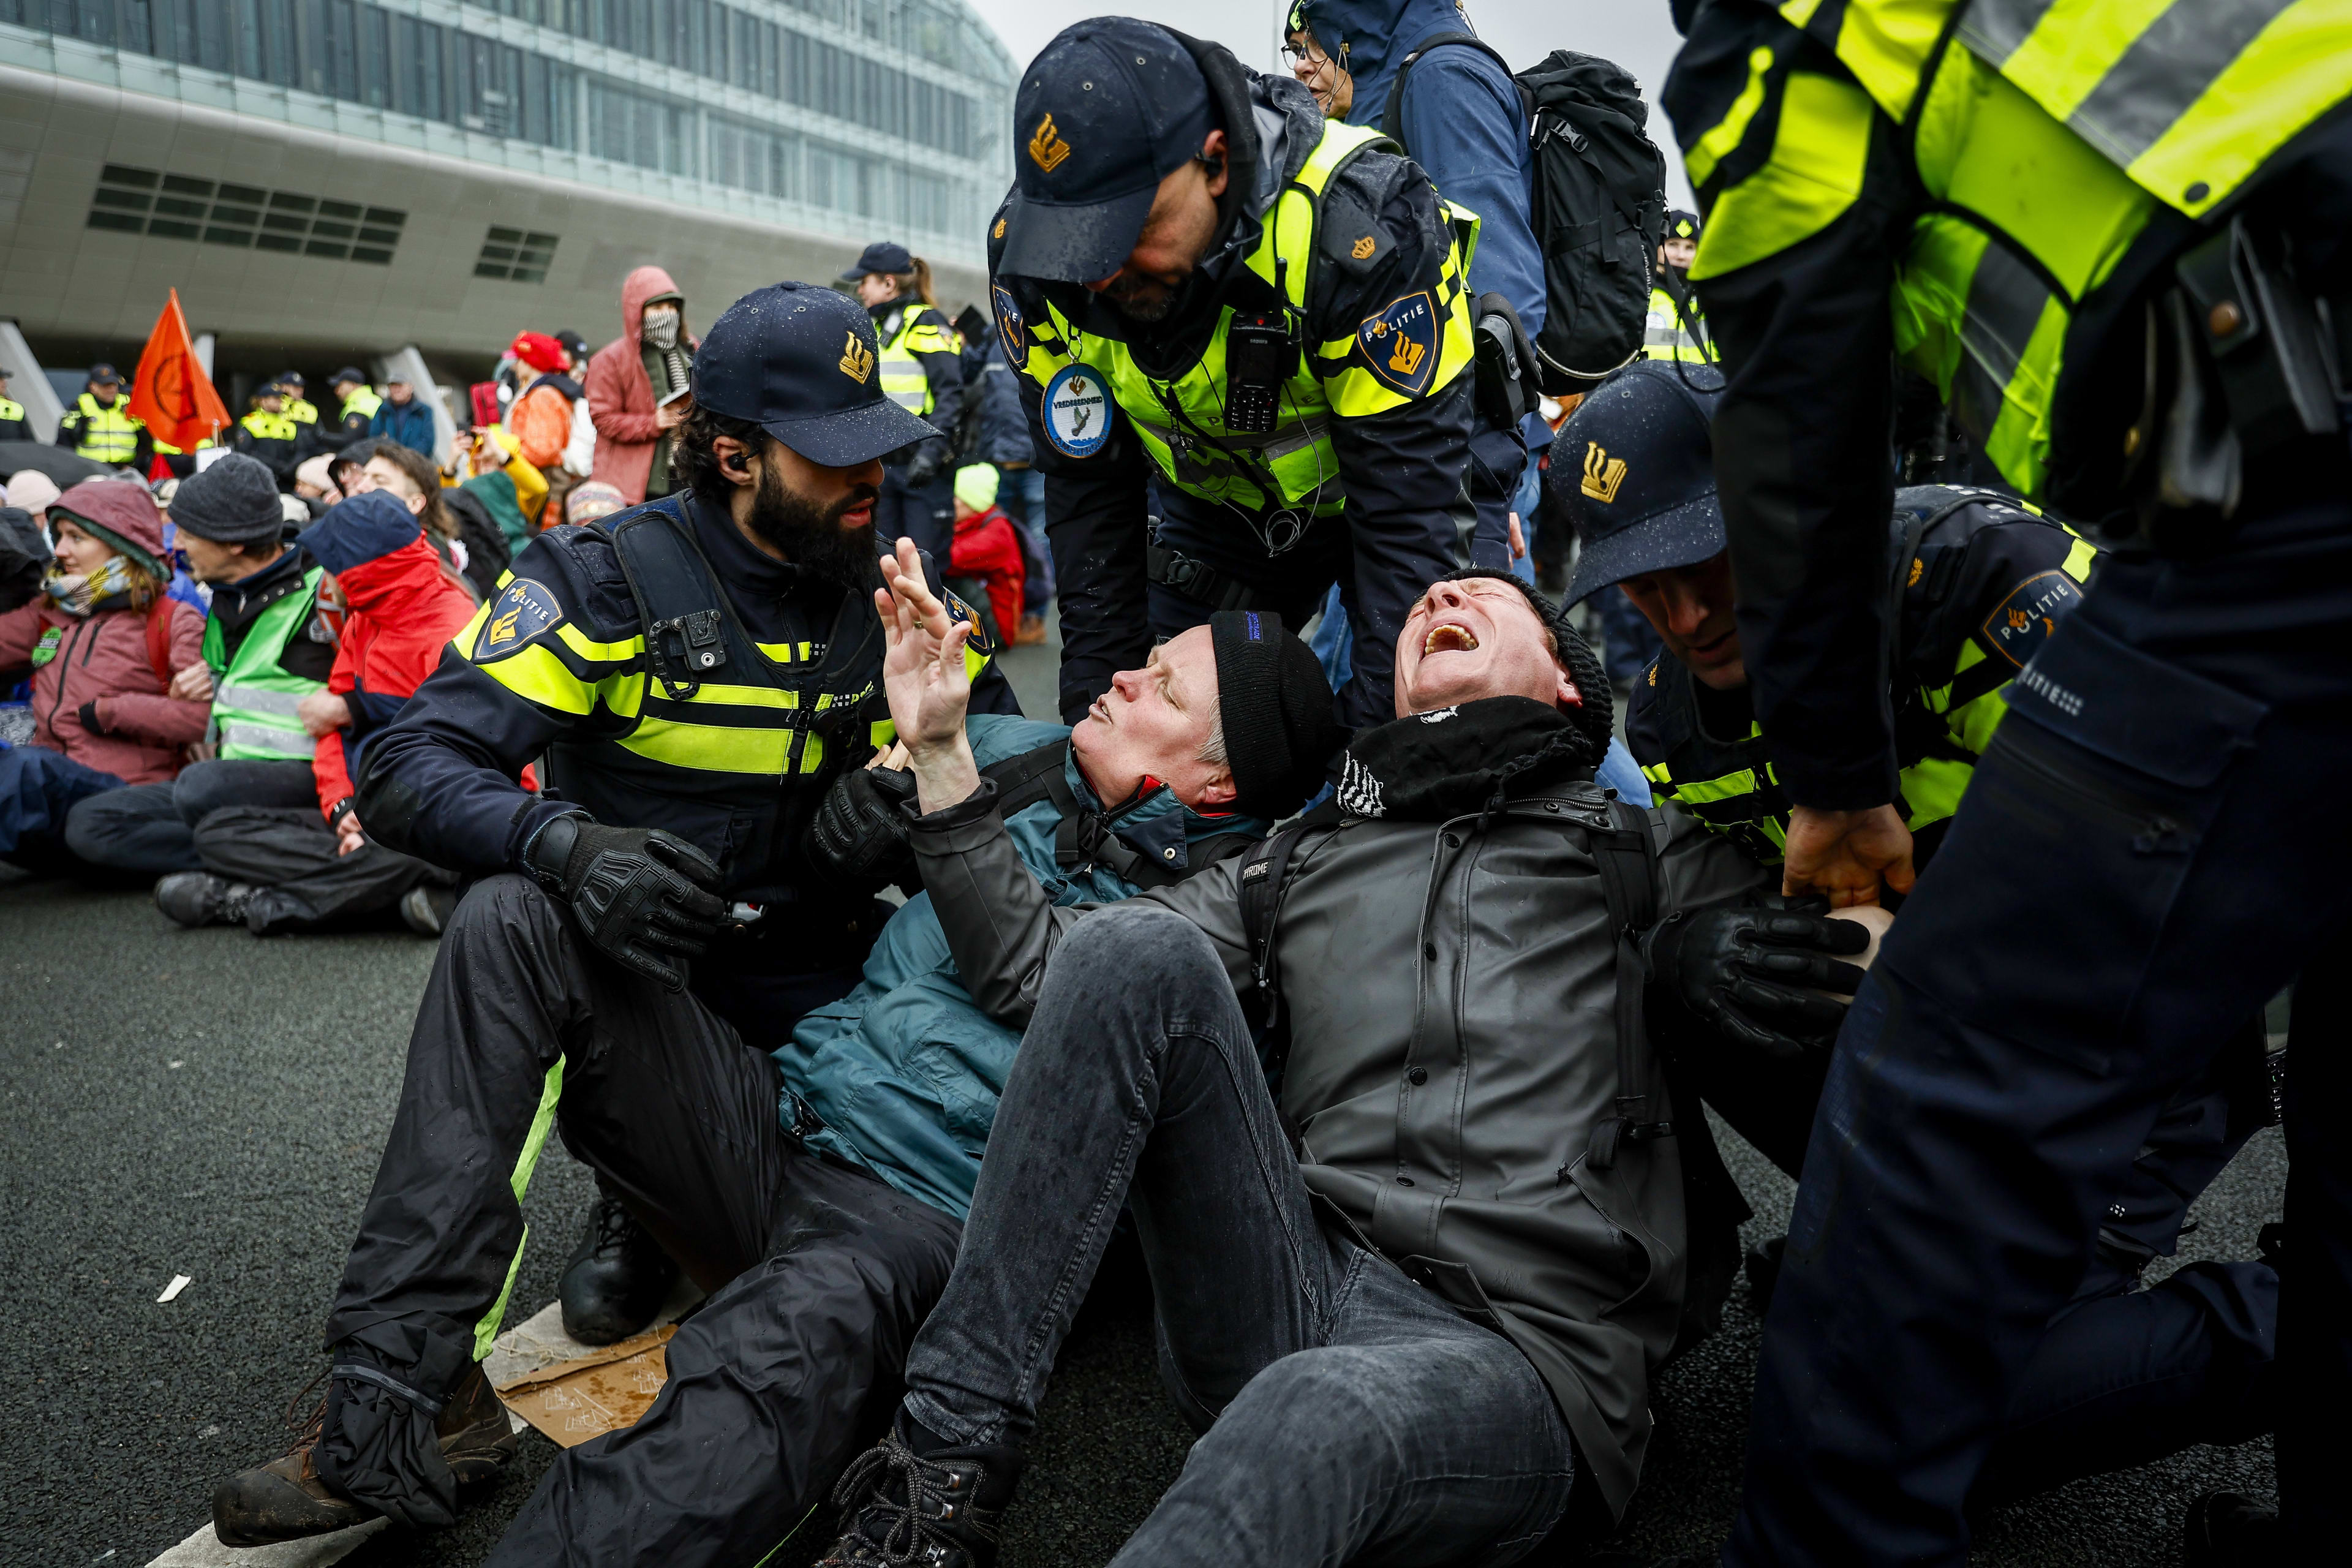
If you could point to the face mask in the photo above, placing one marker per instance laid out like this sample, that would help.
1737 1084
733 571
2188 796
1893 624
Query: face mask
78 595
660 325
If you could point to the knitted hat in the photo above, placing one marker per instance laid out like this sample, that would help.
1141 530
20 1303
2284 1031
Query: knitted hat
363 528
1575 654
538 351
976 486
592 500
1276 708
32 490
232 501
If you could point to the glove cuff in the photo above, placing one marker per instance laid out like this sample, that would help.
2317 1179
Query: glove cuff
547 857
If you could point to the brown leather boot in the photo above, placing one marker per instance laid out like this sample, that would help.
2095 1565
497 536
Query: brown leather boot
285 1501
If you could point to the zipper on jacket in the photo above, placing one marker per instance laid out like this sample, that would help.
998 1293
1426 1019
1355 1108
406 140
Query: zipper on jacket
2152 832
65 662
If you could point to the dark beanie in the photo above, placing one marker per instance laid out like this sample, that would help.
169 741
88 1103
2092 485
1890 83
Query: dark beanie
1276 708
1575 654
231 501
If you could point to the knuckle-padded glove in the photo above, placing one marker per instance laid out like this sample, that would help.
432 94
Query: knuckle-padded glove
643 897
1754 972
930 457
859 833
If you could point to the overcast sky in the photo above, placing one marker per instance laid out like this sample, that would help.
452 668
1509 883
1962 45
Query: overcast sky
1637 34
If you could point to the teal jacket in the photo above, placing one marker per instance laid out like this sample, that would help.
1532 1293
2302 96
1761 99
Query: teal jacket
902 1075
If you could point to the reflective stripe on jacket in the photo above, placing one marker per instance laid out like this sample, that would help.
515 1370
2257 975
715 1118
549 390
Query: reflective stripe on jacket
920 330
254 697
106 434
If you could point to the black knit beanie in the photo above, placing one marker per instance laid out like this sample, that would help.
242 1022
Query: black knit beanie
232 500
1575 654
1276 708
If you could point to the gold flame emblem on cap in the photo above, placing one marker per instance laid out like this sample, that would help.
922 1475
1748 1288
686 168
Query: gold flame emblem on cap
1603 473
1046 147
857 360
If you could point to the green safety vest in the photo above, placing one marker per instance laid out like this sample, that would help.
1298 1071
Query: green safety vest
107 435
1181 422
301 411
1667 337
363 403
267 427
903 380
253 695
2044 136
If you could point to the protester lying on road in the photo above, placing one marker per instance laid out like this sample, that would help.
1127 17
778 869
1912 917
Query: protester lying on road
104 643
2124 1375
278 869
1416 1336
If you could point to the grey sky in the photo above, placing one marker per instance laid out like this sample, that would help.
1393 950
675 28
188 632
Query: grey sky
1637 34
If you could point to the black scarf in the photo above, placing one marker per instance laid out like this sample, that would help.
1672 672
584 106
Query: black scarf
1431 767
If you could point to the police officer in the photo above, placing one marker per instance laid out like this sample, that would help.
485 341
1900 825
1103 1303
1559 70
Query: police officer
359 401
14 426
101 427
922 373
270 436
2110 263
1981 582
697 671
1677 329
1215 295
298 408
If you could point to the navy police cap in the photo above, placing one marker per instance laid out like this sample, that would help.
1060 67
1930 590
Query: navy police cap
1106 112
881 257
1634 469
799 361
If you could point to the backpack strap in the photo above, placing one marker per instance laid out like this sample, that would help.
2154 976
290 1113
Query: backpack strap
1022 781
1392 116
678 601
1263 873
1624 853
158 639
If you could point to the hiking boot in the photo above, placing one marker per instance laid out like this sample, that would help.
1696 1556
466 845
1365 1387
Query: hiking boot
617 1279
201 899
939 1509
1032 632
427 908
285 1501
2230 1530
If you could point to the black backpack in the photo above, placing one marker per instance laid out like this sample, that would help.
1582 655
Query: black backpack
1599 207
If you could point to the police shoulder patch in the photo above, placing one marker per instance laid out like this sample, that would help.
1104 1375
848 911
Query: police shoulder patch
522 614
1077 410
1010 328
980 641
1400 343
2028 616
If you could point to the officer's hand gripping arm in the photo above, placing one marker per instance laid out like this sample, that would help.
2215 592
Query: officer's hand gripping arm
1750 969
643 897
859 833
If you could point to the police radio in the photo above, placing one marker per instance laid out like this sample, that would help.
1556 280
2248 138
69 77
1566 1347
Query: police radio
1258 353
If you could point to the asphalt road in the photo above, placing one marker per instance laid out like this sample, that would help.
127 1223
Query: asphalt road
203 1104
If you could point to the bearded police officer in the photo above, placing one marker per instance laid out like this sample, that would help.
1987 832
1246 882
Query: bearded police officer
1216 296
2113 239
695 671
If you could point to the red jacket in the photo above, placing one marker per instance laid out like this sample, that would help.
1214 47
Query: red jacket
620 398
403 609
987 548
103 658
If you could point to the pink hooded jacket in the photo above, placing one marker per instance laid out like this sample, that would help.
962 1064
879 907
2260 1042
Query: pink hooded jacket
620 398
103 659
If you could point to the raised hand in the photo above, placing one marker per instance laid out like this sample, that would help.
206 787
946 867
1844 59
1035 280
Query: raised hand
923 674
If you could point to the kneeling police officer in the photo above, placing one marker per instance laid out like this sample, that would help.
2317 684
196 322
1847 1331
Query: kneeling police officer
697 672
1205 284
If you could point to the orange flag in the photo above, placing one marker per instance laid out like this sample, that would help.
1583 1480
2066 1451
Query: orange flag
171 393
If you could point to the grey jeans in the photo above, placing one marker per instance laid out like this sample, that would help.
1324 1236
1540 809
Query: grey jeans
1351 1415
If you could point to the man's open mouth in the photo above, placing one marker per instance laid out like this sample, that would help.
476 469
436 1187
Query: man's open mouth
1449 638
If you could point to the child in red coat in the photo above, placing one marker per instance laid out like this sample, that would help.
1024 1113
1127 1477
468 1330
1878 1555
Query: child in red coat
986 548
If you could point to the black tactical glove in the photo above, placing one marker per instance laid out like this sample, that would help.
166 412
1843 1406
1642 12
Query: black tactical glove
641 894
1738 967
859 833
931 458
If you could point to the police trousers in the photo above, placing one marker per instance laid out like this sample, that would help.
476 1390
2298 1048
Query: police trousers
819 1274
924 513
2148 851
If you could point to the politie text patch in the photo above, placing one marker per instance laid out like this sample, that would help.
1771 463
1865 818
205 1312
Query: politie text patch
1400 343
2026 619
524 611
1077 410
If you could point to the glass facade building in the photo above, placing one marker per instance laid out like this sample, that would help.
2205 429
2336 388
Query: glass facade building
849 117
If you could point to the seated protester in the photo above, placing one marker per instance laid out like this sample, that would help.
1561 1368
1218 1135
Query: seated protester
591 500
270 436
314 483
494 478
285 868
787 1369
103 641
987 551
679 829
456 525
266 647
1416 1337
2124 1375
401 417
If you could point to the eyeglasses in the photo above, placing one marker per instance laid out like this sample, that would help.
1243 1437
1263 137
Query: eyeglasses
1310 53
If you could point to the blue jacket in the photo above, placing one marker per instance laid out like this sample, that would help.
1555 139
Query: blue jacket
991 398
903 1072
410 424
1462 121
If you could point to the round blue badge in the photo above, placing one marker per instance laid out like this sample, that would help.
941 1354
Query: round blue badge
1077 410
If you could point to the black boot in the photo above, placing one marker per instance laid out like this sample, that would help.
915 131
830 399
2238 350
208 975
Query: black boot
617 1279
940 1510
2228 1530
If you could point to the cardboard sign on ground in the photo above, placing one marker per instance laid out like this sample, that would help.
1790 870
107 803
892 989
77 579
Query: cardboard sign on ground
601 1392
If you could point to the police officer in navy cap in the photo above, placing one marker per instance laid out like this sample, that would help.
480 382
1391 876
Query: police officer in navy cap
922 373
694 676
1215 295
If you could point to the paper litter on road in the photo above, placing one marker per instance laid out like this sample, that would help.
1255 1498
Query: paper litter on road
601 1392
179 1283
204 1550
